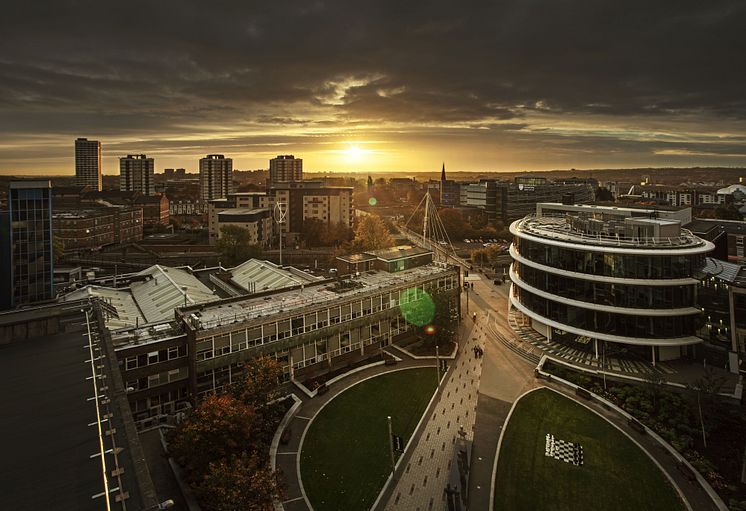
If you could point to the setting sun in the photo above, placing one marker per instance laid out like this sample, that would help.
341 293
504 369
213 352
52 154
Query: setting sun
354 152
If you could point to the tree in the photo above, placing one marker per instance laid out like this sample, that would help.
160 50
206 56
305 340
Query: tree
727 212
372 234
604 195
706 388
312 232
58 248
335 234
235 245
454 224
241 482
654 381
258 383
217 428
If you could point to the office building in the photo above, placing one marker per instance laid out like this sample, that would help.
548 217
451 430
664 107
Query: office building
285 168
587 275
722 297
88 163
215 176
28 256
136 174
310 326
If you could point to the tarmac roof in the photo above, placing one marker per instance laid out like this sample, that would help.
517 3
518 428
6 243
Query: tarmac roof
47 457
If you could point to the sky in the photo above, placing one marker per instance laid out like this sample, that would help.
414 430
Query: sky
375 86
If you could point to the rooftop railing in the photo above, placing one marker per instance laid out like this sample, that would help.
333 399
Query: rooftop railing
560 229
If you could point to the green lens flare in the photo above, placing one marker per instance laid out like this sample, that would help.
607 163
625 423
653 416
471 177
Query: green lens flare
372 201
417 307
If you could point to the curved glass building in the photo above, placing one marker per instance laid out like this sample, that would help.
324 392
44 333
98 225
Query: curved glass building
585 274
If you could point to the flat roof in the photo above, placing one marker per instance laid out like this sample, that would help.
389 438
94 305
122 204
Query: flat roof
606 207
213 315
48 444
242 211
398 252
356 258
704 225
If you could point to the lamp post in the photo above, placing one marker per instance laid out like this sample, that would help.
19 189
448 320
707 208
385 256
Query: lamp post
391 447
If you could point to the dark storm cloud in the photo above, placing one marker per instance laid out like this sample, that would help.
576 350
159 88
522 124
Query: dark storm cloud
178 66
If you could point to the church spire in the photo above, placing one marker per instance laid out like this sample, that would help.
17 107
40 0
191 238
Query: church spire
443 172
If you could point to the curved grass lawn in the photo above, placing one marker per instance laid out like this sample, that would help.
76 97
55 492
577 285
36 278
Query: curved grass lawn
616 474
345 454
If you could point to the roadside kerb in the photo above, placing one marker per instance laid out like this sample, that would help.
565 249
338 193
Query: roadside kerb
500 443
406 448
673 452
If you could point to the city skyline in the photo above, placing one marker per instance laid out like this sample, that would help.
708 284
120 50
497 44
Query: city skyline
502 87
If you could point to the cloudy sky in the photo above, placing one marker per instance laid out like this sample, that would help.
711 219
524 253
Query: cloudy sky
375 86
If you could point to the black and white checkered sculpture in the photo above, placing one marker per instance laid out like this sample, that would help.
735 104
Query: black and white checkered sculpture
564 451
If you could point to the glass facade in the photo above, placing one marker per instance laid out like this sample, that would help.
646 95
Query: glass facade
625 325
630 266
30 211
602 293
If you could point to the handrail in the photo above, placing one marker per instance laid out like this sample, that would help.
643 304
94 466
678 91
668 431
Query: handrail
549 226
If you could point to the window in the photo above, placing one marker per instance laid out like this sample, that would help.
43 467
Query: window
153 357
130 363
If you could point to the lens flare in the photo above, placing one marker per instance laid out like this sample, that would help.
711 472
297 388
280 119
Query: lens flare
417 307
430 329
372 201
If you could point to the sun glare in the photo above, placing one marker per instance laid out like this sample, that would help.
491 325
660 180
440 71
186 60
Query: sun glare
354 152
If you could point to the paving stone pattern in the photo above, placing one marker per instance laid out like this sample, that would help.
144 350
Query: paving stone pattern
421 483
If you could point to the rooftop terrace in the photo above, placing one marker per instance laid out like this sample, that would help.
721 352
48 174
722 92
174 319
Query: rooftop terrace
628 233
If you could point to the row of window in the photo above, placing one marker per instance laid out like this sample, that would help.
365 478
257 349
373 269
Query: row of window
610 265
154 357
626 325
617 295
153 380
236 341
162 403
262 334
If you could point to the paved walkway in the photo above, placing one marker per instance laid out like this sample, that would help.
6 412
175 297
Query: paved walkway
429 466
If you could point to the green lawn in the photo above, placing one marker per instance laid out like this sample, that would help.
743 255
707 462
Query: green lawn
345 455
616 474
